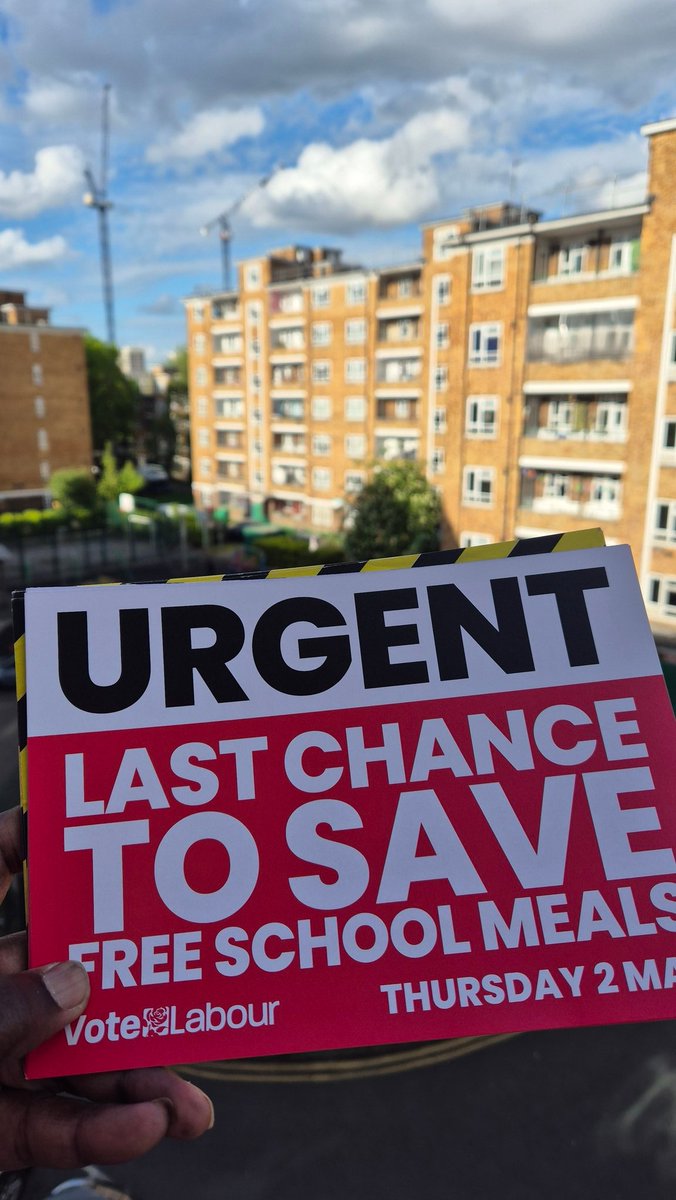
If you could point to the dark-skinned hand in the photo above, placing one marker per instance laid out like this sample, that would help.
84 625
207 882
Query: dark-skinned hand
104 1119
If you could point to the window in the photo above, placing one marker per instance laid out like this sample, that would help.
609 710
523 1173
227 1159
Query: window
34 339
36 372
622 256
253 277
439 420
561 417
205 467
438 460
355 408
203 438
199 343
605 495
354 481
321 408
321 296
202 406
477 486
322 516
611 420
355 370
662 592
404 288
664 529
402 410
355 331
322 444
39 406
481 416
321 333
355 445
321 479
488 265
201 376
442 289
321 371
197 309
229 409
45 471
669 435
441 335
484 345
473 539
355 292
555 486
43 441
571 260
441 379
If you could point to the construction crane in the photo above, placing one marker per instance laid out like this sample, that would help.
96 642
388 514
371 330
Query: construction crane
96 197
222 223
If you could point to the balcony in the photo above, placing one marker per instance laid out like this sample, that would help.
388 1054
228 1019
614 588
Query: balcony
581 337
401 329
286 475
288 443
560 493
287 375
390 447
591 418
291 409
398 370
227 377
396 410
287 339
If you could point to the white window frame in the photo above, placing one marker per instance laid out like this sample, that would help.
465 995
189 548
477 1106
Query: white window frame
203 438
560 416
356 477
474 492
662 584
355 445
488 268
571 259
355 292
321 333
667 534
442 289
355 331
440 379
320 295
625 247
556 485
37 374
353 403
440 419
322 479
322 445
355 370
482 332
477 409
205 468
253 277
321 371
438 460
441 335
616 421
201 376
43 441
321 408
39 406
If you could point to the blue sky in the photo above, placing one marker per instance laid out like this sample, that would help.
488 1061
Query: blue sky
376 115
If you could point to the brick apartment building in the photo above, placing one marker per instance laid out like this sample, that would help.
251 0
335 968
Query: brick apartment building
44 405
528 364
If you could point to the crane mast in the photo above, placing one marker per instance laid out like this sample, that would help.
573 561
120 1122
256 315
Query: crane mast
222 223
96 197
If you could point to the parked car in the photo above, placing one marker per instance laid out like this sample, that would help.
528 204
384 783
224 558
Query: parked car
153 473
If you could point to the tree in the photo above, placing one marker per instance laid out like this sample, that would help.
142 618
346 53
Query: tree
73 488
113 399
111 481
398 512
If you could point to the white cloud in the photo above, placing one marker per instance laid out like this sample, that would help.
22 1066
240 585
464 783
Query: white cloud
15 251
207 132
56 180
55 101
366 183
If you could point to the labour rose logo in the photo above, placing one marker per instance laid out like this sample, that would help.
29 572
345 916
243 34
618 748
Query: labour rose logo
155 1021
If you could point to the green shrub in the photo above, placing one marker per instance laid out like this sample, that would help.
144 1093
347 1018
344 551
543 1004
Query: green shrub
74 488
283 551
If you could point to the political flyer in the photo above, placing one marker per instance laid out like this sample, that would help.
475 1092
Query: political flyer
414 800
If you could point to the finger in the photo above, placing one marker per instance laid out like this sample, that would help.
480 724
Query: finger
10 848
37 1130
37 1004
192 1112
13 953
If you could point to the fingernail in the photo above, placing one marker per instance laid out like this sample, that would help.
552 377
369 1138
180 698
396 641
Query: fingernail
212 1115
67 984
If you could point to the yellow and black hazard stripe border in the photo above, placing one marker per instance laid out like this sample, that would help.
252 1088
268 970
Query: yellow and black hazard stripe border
583 539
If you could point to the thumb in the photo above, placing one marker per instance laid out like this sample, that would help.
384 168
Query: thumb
37 1004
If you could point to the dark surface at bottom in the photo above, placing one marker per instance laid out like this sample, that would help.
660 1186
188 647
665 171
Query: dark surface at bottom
587 1113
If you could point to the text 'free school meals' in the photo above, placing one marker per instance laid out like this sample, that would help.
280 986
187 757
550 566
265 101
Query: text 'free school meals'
350 809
